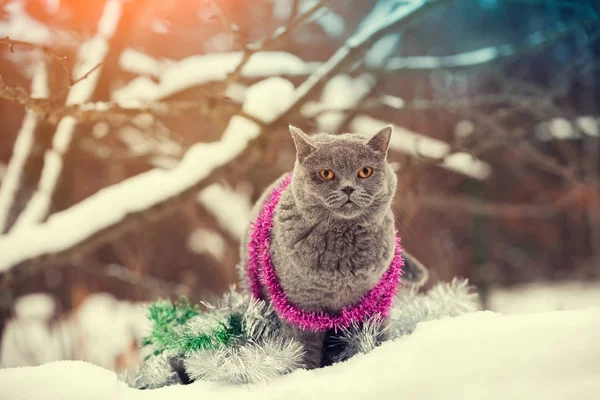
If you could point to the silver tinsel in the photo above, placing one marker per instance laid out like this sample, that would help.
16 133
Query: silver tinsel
253 362
155 372
263 353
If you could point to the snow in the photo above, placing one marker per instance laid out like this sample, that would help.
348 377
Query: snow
163 162
371 25
378 54
196 70
545 296
138 142
91 53
480 56
563 129
22 147
136 62
160 26
101 329
231 209
108 326
464 128
406 141
474 356
108 206
35 305
339 93
330 21
589 125
560 128
207 241
17 24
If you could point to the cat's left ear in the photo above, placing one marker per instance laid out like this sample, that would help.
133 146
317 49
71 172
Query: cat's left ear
380 142
303 145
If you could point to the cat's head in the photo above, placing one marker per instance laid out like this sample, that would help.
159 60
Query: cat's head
345 176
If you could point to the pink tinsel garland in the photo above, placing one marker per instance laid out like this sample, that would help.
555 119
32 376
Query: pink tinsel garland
377 301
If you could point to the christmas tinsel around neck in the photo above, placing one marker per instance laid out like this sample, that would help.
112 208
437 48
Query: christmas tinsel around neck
237 339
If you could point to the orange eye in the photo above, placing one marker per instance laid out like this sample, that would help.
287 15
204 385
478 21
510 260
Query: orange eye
365 172
326 174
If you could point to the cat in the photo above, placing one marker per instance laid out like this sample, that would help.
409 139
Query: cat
333 232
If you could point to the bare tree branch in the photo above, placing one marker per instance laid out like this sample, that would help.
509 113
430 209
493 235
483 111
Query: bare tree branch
468 205
128 276
22 148
108 111
52 54
49 52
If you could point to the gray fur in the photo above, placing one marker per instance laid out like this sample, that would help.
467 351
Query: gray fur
328 254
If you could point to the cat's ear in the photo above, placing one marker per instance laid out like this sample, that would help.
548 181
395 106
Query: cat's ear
303 145
380 142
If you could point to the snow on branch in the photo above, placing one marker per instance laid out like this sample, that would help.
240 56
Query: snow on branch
418 145
485 55
22 147
357 45
114 111
112 210
89 57
197 70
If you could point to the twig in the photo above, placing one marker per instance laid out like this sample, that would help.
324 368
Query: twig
451 104
542 211
233 28
126 275
354 48
294 10
74 82
49 52
90 112
486 55
267 43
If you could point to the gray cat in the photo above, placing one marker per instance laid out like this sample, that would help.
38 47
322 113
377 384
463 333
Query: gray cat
332 237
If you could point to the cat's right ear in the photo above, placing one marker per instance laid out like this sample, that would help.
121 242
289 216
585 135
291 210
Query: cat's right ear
303 145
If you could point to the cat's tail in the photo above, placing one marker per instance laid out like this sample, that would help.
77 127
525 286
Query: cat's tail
414 273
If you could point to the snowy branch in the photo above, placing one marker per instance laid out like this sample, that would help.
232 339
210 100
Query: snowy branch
355 47
119 207
435 152
113 111
269 42
485 55
89 56
22 147
112 211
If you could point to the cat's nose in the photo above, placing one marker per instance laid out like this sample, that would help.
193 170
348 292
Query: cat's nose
348 190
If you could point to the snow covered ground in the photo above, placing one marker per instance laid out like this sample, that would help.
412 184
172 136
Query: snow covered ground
481 355
103 330
545 296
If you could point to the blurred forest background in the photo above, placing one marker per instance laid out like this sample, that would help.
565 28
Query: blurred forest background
128 169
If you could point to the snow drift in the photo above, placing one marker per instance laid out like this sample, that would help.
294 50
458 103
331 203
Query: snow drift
481 355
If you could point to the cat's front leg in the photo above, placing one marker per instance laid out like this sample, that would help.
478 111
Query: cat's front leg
312 342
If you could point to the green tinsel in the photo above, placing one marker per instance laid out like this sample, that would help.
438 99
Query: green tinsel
170 330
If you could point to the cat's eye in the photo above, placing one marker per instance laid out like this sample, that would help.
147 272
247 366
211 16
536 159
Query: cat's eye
327 174
365 172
